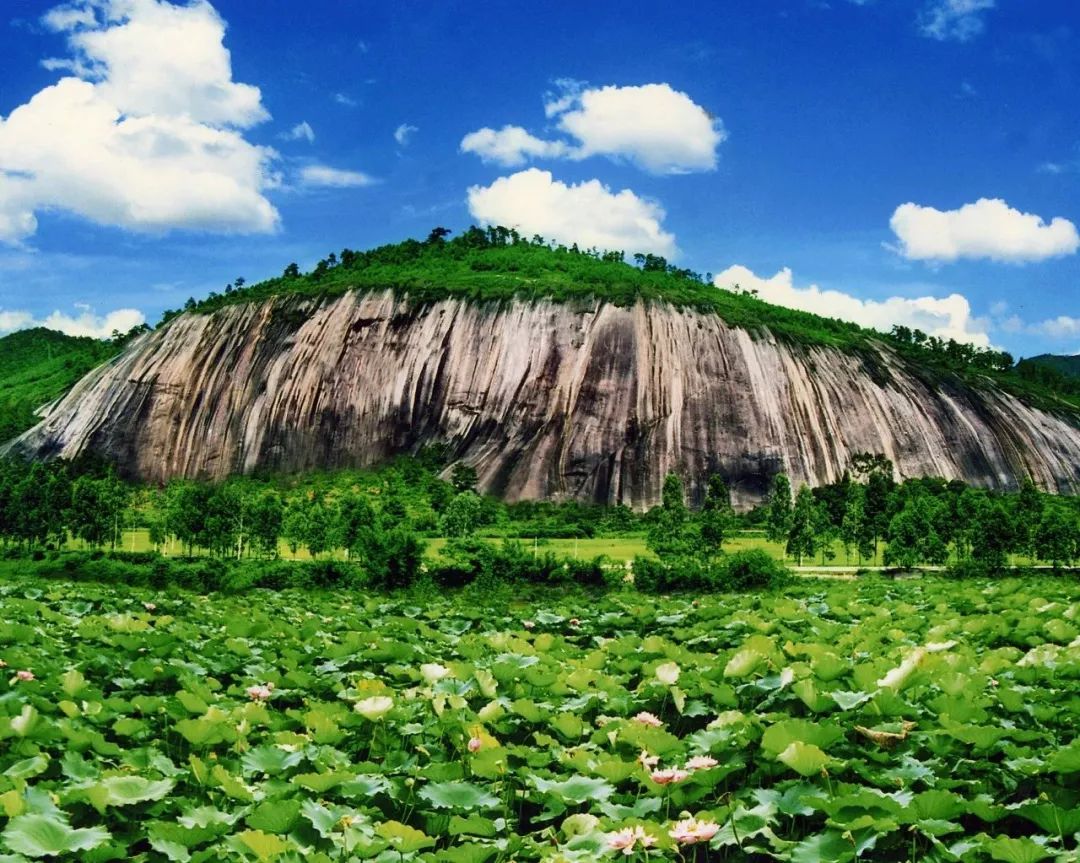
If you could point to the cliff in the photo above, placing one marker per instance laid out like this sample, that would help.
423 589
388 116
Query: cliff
585 400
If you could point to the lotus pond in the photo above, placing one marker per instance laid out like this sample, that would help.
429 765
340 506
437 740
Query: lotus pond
873 720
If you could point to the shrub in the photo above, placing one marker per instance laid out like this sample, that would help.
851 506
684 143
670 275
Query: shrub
391 559
752 569
967 569
678 573
327 574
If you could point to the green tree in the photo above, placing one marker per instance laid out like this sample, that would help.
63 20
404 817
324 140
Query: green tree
355 515
463 477
716 516
1027 514
265 516
826 532
668 535
1057 536
877 505
309 522
462 515
778 509
912 535
852 525
88 517
802 531
994 536
224 528
185 512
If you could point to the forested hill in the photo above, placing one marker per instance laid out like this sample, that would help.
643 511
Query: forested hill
497 264
1066 365
40 365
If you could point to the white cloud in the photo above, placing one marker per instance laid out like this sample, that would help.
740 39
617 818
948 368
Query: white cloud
86 323
568 92
586 213
1061 327
654 126
144 136
322 175
300 132
346 100
510 146
945 317
403 133
659 129
959 20
989 228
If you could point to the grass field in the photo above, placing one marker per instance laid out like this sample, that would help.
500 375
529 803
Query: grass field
618 548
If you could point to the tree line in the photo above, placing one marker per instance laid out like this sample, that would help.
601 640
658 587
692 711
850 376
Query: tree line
920 521
379 520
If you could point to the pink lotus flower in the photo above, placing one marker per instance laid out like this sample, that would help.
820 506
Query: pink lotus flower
690 831
149 606
648 761
3 664
625 839
24 675
670 776
475 743
701 762
650 719
622 840
528 624
575 622
260 693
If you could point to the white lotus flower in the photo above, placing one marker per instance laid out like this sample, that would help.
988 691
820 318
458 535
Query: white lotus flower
433 672
375 707
668 673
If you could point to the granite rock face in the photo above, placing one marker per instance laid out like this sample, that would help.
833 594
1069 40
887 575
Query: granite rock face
546 400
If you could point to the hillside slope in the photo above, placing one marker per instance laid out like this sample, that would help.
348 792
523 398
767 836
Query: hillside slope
585 399
38 366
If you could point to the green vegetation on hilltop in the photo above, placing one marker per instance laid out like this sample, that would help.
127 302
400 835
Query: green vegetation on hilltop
40 365
497 264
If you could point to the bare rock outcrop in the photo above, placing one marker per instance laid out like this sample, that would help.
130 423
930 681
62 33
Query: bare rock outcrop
593 402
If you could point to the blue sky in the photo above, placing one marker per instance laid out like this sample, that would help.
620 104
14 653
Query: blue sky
911 161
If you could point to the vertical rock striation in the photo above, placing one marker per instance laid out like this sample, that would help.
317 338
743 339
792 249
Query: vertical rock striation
593 402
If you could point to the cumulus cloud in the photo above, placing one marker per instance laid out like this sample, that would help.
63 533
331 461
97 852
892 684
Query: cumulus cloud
145 132
403 133
322 175
301 132
85 323
587 213
989 228
945 317
510 146
958 20
657 128
1058 328
1061 327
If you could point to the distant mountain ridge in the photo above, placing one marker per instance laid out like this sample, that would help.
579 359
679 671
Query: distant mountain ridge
1065 363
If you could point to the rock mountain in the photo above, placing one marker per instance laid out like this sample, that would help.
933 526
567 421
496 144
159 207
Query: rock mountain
585 400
